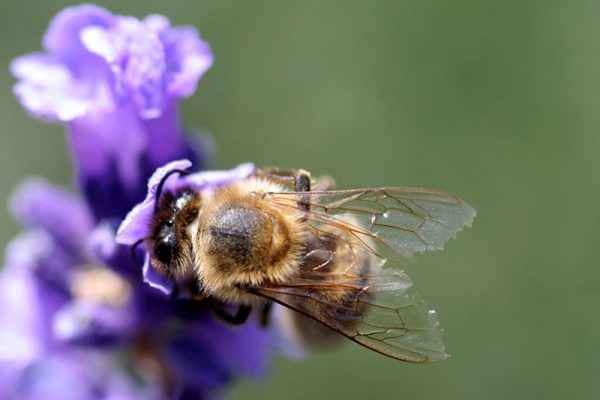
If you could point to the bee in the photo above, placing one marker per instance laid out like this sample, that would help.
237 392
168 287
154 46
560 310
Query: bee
334 256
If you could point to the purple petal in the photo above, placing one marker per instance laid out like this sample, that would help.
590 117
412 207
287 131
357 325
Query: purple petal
208 180
136 224
38 203
195 363
37 253
94 81
121 386
47 89
208 353
23 337
136 58
63 35
20 339
34 257
109 148
77 375
53 378
102 139
157 23
101 242
244 351
165 136
83 322
145 71
188 56
155 279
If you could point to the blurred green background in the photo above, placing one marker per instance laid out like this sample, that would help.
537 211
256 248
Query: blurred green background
497 101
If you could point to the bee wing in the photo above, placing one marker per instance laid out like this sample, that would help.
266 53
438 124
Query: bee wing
393 223
368 298
380 313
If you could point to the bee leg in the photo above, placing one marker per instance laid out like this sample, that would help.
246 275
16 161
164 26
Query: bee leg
239 318
302 184
265 314
299 178
302 181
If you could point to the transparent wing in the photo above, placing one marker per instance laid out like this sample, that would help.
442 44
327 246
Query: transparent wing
391 222
380 312
349 279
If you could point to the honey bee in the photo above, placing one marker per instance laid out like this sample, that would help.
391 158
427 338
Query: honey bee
280 236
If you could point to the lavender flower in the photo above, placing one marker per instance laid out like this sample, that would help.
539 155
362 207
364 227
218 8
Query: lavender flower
115 81
76 318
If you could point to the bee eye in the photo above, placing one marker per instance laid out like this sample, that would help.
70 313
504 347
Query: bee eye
164 249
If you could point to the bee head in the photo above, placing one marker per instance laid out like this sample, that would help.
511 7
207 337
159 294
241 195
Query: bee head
168 240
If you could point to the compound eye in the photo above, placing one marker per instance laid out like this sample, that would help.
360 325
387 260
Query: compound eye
164 249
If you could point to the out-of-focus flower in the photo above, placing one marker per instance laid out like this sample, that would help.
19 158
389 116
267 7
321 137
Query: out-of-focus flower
69 287
76 318
35 362
115 81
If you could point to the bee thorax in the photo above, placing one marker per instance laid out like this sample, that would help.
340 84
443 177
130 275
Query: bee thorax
239 238
244 242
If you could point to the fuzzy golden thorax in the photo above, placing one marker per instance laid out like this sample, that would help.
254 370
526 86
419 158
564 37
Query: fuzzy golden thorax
244 241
